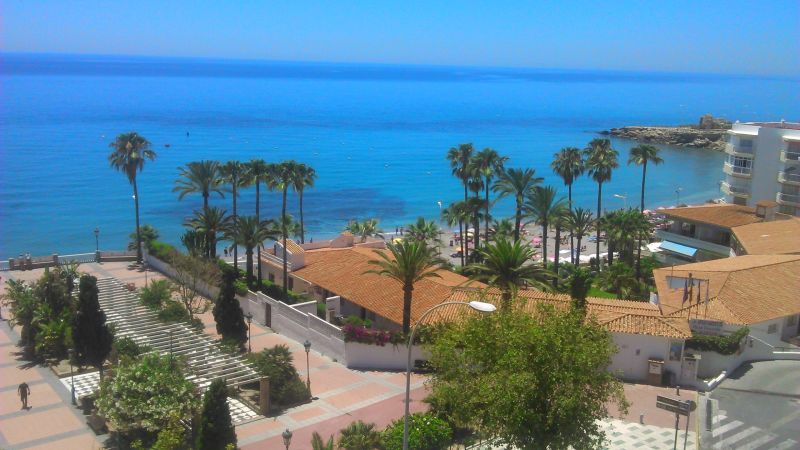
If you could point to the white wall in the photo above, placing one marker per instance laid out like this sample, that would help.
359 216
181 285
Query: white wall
629 365
388 357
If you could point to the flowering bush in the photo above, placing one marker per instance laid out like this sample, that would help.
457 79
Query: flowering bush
363 335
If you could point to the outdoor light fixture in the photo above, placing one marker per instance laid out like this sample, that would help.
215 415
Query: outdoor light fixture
97 239
481 307
249 317
71 356
307 345
287 438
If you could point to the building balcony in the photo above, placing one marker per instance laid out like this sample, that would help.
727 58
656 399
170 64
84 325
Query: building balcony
788 199
736 191
690 241
790 157
791 178
737 171
739 151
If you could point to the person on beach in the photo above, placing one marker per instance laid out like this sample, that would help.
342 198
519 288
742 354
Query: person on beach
24 391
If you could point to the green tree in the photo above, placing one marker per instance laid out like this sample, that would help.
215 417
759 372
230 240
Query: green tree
409 263
195 243
281 179
641 155
579 223
190 274
304 177
149 234
228 313
216 427
502 230
517 183
488 163
424 231
249 233
507 266
460 158
234 173
364 229
619 278
580 283
475 207
173 437
258 172
601 160
90 333
212 222
425 432
20 298
543 206
456 213
359 436
144 396
569 165
534 378
129 151
285 387
199 177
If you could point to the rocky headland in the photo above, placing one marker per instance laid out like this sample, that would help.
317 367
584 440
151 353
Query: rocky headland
709 132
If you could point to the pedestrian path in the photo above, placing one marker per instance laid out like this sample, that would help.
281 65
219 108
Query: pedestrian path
728 433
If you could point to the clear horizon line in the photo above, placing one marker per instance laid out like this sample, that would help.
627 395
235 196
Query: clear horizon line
788 77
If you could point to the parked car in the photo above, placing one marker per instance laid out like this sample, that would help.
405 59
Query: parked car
456 254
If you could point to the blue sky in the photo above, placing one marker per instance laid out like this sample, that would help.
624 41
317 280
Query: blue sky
747 37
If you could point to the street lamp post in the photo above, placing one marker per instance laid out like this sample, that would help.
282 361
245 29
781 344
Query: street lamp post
678 196
249 317
71 356
97 239
477 306
307 345
624 198
287 438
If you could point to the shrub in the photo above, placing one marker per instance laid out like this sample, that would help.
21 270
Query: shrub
358 322
724 345
216 428
354 333
285 387
359 436
156 293
161 250
240 287
425 432
173 311
273 290
126 349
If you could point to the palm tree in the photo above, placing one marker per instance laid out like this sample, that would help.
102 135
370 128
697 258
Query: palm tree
291 226
474 207
542 207
424 231
318 444
601 160
579 223
558 221
502 229
258 172
282 177
410 262
517 183
212 222
569 165
488 163
580 283
234 173
304 177
641 155
364 229
506 266
460 159
619 278
359 436
128 155
248 232
195 243
456 213
201 177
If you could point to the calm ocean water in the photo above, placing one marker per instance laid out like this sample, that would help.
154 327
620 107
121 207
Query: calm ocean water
377 135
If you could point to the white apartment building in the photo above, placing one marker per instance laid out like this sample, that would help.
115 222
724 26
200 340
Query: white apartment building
763 163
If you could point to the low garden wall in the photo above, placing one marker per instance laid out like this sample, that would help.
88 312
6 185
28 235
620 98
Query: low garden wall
377 357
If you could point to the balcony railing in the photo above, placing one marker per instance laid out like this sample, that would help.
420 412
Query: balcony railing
788 199
790 157
730 169
789 178
732 189
732 149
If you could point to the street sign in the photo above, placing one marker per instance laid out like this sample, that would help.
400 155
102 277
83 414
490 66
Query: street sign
676 406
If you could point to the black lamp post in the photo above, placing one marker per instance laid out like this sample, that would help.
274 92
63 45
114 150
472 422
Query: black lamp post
71 355
249 317
307 345
97 239
287 438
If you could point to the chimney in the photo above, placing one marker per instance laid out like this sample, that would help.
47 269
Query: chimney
766 210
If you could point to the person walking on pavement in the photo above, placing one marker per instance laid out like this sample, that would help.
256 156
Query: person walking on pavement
24 391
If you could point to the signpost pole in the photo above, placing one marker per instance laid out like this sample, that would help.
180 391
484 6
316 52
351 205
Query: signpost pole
677 418
686 433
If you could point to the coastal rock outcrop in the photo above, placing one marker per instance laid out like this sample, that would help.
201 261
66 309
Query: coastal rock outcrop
709 132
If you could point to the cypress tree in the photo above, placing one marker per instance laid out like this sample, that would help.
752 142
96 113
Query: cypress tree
91 334
228 313
216 427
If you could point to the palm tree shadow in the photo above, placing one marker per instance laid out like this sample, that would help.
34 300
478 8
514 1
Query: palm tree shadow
25 360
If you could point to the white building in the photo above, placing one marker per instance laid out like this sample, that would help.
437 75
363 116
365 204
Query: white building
763 163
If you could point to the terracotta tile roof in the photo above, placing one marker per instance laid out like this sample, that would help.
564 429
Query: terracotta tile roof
721 215
742 290
342 271
618 316
293 247
775 237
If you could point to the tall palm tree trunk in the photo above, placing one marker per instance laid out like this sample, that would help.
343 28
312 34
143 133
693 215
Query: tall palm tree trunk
571 237
578 243
517 221
486 218
285 255
407 290
205 201
644 177
258 219
558 248
466 225
138 232
599 204
236 247
302 225
639 241
544 244
249 263
463 239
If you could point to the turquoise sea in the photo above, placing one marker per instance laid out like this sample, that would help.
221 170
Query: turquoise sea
377 135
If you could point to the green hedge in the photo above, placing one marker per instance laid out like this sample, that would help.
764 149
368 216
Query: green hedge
724 345
273 290
162 250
